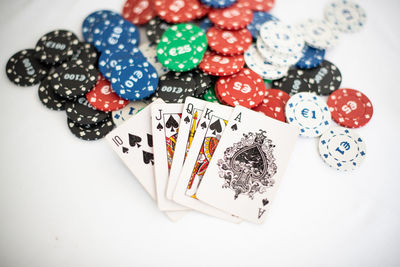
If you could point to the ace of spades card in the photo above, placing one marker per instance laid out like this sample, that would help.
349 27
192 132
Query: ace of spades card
208 132
165 124
248 164
191 114
133 143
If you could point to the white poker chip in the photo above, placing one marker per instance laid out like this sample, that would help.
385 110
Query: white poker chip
309 113
342 148
149 52
124 114
275 58
259 65
347 16
281 38
318 33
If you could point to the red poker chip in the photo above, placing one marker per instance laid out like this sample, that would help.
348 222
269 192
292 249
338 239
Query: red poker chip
273 104
218 65
176 11
138 11
245 88
258 5
232 18
103 98
229 43
350 108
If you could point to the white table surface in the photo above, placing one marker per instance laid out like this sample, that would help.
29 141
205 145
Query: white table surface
67 202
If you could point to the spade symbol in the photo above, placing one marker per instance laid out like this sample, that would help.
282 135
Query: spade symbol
159 127
148 157
234 127
265 201
187 120
216 127
150 140
134 140
125 150
203 125
172 124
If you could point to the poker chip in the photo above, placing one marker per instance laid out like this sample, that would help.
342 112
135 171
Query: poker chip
74 79
281 38
245 88
56 47
124 114
318 33
93 131
292 85
174 87
138 11
82 112
275 58
149 52
210 96
203 82
308 112
218 65
47 96
134 80
103 98
155 29
218 3
24 69
350 108
112 32
177 11
258 5
205 24
259 65
86 52
182 47
342 149
259 18
235 17
273 104
312 58
346 16
228 43
93 19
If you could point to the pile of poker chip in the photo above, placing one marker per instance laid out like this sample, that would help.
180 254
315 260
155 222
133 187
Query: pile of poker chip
233 52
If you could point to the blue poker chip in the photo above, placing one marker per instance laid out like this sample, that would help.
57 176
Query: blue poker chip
111 58
259 18
112 32
218 3
94 18
312 58
206 24
134 80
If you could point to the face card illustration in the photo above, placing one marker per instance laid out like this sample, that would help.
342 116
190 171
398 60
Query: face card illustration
133 143
213 114
191 113
165 124
248 164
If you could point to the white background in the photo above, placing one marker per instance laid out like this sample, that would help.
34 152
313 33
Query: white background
67 202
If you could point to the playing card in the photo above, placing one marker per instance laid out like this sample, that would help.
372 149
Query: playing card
210 128
248 164
191 114
165 124
133 143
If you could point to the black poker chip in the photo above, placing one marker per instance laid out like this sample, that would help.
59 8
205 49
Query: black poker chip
155 29
56 47
82 112
74 79
292 85
47 96
174 87
87 53
203 82
24 69
91 132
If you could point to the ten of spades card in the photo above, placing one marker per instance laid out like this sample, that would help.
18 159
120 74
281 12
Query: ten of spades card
248 164
165 124
211 126
191 114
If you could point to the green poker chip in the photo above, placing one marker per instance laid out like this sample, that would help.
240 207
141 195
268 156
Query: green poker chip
210 96
182 47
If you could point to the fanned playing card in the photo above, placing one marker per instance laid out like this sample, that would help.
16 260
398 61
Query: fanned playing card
191 113
248 164
165 124
208 133
133 143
